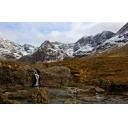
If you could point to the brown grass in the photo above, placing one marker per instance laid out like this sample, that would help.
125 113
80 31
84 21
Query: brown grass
114 69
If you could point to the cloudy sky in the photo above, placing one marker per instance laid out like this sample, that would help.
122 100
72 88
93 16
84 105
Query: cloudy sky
67 32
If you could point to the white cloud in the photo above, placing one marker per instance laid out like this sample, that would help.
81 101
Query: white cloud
31 33
82 29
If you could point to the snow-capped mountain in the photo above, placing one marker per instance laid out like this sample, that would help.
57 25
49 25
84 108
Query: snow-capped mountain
50 51
118 40
101 42
29 48
54 51
88 45
9 49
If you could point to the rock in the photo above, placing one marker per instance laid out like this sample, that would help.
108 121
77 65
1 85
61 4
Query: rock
39 95
99 90
13 73
102 84
123 30
72 101
56 76
88 98
24 95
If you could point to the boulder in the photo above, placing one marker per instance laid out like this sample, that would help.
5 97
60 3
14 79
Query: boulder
56 76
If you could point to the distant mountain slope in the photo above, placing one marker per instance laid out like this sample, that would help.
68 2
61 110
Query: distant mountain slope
118 40
85 46
50 51
54 51
123 30
116 52
9 49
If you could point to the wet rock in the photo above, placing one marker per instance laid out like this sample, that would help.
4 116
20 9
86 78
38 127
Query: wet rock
58 92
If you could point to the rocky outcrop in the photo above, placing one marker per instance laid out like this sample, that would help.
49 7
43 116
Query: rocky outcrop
23 95
56 76
13 73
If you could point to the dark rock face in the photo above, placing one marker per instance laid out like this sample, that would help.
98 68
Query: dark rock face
102 37
110 87
82 42
88 45
29 48
123 29
118 40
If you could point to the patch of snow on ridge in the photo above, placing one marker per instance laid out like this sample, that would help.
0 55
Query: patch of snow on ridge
85 48
114 39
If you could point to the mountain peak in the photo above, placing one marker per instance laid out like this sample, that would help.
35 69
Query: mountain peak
46 42
106 32
87 45
123 30
10 49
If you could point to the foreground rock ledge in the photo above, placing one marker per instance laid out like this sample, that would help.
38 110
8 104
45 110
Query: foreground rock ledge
24 95
39 95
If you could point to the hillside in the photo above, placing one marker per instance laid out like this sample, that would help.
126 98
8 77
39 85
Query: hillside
108 70
15 84
92 70
110 65
12 50
84 77
116 52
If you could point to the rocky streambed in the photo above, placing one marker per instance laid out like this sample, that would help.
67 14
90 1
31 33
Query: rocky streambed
71 95
57 95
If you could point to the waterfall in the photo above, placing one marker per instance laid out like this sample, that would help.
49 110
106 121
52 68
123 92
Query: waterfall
37 79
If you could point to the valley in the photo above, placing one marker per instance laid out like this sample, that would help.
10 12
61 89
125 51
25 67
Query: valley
92 70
